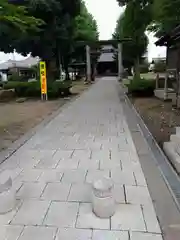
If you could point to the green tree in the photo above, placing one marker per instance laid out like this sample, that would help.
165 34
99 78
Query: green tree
132 25
64 23
14 21
85 30
55 35
166 16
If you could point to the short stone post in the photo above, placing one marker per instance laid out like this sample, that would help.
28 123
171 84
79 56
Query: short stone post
103 203
7 195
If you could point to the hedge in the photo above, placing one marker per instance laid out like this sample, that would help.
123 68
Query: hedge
33 89
142 87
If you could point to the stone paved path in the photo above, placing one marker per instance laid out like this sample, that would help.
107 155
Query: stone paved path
53 171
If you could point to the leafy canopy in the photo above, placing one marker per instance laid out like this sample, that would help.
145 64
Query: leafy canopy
166 16
131 25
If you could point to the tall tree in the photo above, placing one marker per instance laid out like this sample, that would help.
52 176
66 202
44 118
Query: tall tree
132 25
14 21
166 16
55 34
85 30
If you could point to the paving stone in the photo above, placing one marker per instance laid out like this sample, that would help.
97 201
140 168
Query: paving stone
30 190
7 217
145 236
48 162
94 146
123 177
131 165
63 154
112 147
94 175
37 233
15 172
62 214
32 212
56 191
81 154
120 155
101 155
140 179
118 193
68 164
74 176
71 145
31 175
110 164
151 219
16 185
137 195
80 193
128 217
50 176
73 234
110 235
8 232
87 219
88 164
97 138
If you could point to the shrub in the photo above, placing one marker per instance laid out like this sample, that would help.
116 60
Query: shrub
160 67
144 68
16 78
142 87
33 89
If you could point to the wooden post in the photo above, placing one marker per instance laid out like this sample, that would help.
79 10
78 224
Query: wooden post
88 63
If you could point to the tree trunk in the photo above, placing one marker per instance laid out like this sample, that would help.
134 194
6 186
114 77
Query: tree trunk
137 75
66 72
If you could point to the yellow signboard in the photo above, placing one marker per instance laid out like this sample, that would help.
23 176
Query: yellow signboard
43 78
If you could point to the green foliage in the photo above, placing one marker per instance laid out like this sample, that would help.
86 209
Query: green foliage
141 87
14 22
132 24
160 67
16 78
85 30
85 26
64 23
144 68
166 16
33 89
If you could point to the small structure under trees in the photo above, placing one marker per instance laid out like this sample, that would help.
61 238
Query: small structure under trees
172 77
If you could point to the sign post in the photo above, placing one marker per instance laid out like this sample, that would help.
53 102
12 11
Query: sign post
43 80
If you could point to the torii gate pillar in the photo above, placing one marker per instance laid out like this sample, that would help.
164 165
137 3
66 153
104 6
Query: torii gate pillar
88 63
120 65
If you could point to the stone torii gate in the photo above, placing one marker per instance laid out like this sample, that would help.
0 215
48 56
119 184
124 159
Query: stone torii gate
100 43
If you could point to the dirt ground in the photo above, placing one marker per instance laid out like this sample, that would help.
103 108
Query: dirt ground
17 118
159 116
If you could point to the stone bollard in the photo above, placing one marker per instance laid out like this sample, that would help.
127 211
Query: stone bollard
7 195
103 203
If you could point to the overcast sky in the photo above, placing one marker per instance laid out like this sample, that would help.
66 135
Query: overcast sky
106 12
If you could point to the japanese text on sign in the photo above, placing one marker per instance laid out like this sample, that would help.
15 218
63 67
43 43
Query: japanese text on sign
43 78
